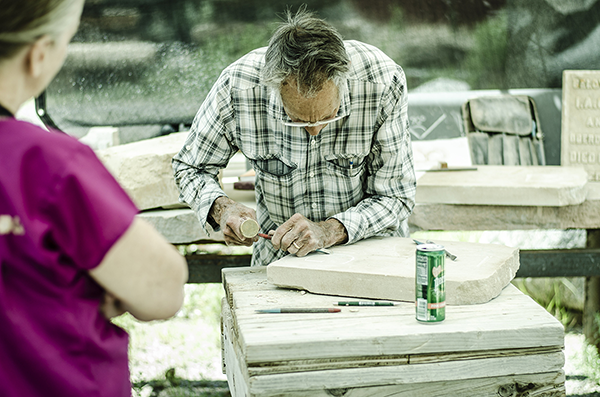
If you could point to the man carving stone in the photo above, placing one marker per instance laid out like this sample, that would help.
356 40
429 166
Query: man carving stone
324 124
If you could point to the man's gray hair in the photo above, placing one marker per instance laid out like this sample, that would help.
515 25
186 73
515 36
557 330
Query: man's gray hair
308 50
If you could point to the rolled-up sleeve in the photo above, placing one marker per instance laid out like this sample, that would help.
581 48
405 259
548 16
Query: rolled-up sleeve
207 149
391 185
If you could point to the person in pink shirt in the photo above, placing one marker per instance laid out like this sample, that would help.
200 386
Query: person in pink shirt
72 252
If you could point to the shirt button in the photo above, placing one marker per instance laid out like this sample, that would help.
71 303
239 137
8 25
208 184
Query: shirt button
313 142
314 205
189 147
311 174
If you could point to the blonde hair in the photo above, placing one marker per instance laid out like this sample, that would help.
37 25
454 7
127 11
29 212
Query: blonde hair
22 22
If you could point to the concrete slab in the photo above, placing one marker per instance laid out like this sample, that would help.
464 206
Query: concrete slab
384 268
553 186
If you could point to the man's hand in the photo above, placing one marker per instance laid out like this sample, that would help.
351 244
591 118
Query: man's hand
300 236
230 215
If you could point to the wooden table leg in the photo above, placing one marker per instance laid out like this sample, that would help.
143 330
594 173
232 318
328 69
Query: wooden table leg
591 307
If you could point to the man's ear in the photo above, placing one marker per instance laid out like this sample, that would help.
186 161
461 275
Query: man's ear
37 56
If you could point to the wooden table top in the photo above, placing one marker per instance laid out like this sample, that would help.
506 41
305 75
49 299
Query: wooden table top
510 321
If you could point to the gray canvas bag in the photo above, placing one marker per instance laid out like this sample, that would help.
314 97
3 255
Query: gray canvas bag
503 130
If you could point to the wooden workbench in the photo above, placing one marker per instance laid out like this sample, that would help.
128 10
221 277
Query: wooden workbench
508 347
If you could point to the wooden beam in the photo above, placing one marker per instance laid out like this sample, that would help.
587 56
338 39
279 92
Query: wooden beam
582 262
207 268
591 305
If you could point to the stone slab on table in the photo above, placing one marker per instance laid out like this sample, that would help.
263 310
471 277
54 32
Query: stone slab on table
430 216
505 185
433 216
384 268
144 170
179 226
510 343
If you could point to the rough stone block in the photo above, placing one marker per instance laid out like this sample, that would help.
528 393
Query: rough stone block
101 137
384 268
179 226
505 185
110 55
144 169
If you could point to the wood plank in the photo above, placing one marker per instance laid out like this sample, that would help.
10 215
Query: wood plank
206 268
512 320
478 350
406 374
514 385
571 262
390 332
535 385
282 367
591 304
233 363
456 356
244 279
279 367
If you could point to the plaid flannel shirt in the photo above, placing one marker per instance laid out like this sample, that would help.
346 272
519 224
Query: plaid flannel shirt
358 170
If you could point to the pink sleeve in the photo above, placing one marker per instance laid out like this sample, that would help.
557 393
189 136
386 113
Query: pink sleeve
88 209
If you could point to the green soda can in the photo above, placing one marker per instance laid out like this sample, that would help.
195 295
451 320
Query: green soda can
430 286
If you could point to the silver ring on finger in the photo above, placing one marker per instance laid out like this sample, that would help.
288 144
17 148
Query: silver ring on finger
296 245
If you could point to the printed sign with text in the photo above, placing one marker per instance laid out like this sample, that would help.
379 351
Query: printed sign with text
580 130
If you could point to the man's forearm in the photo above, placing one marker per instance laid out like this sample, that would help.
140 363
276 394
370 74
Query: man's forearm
335 231
218 207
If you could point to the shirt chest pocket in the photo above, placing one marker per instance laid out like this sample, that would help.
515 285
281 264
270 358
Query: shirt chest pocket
277 185
345 164
273 166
